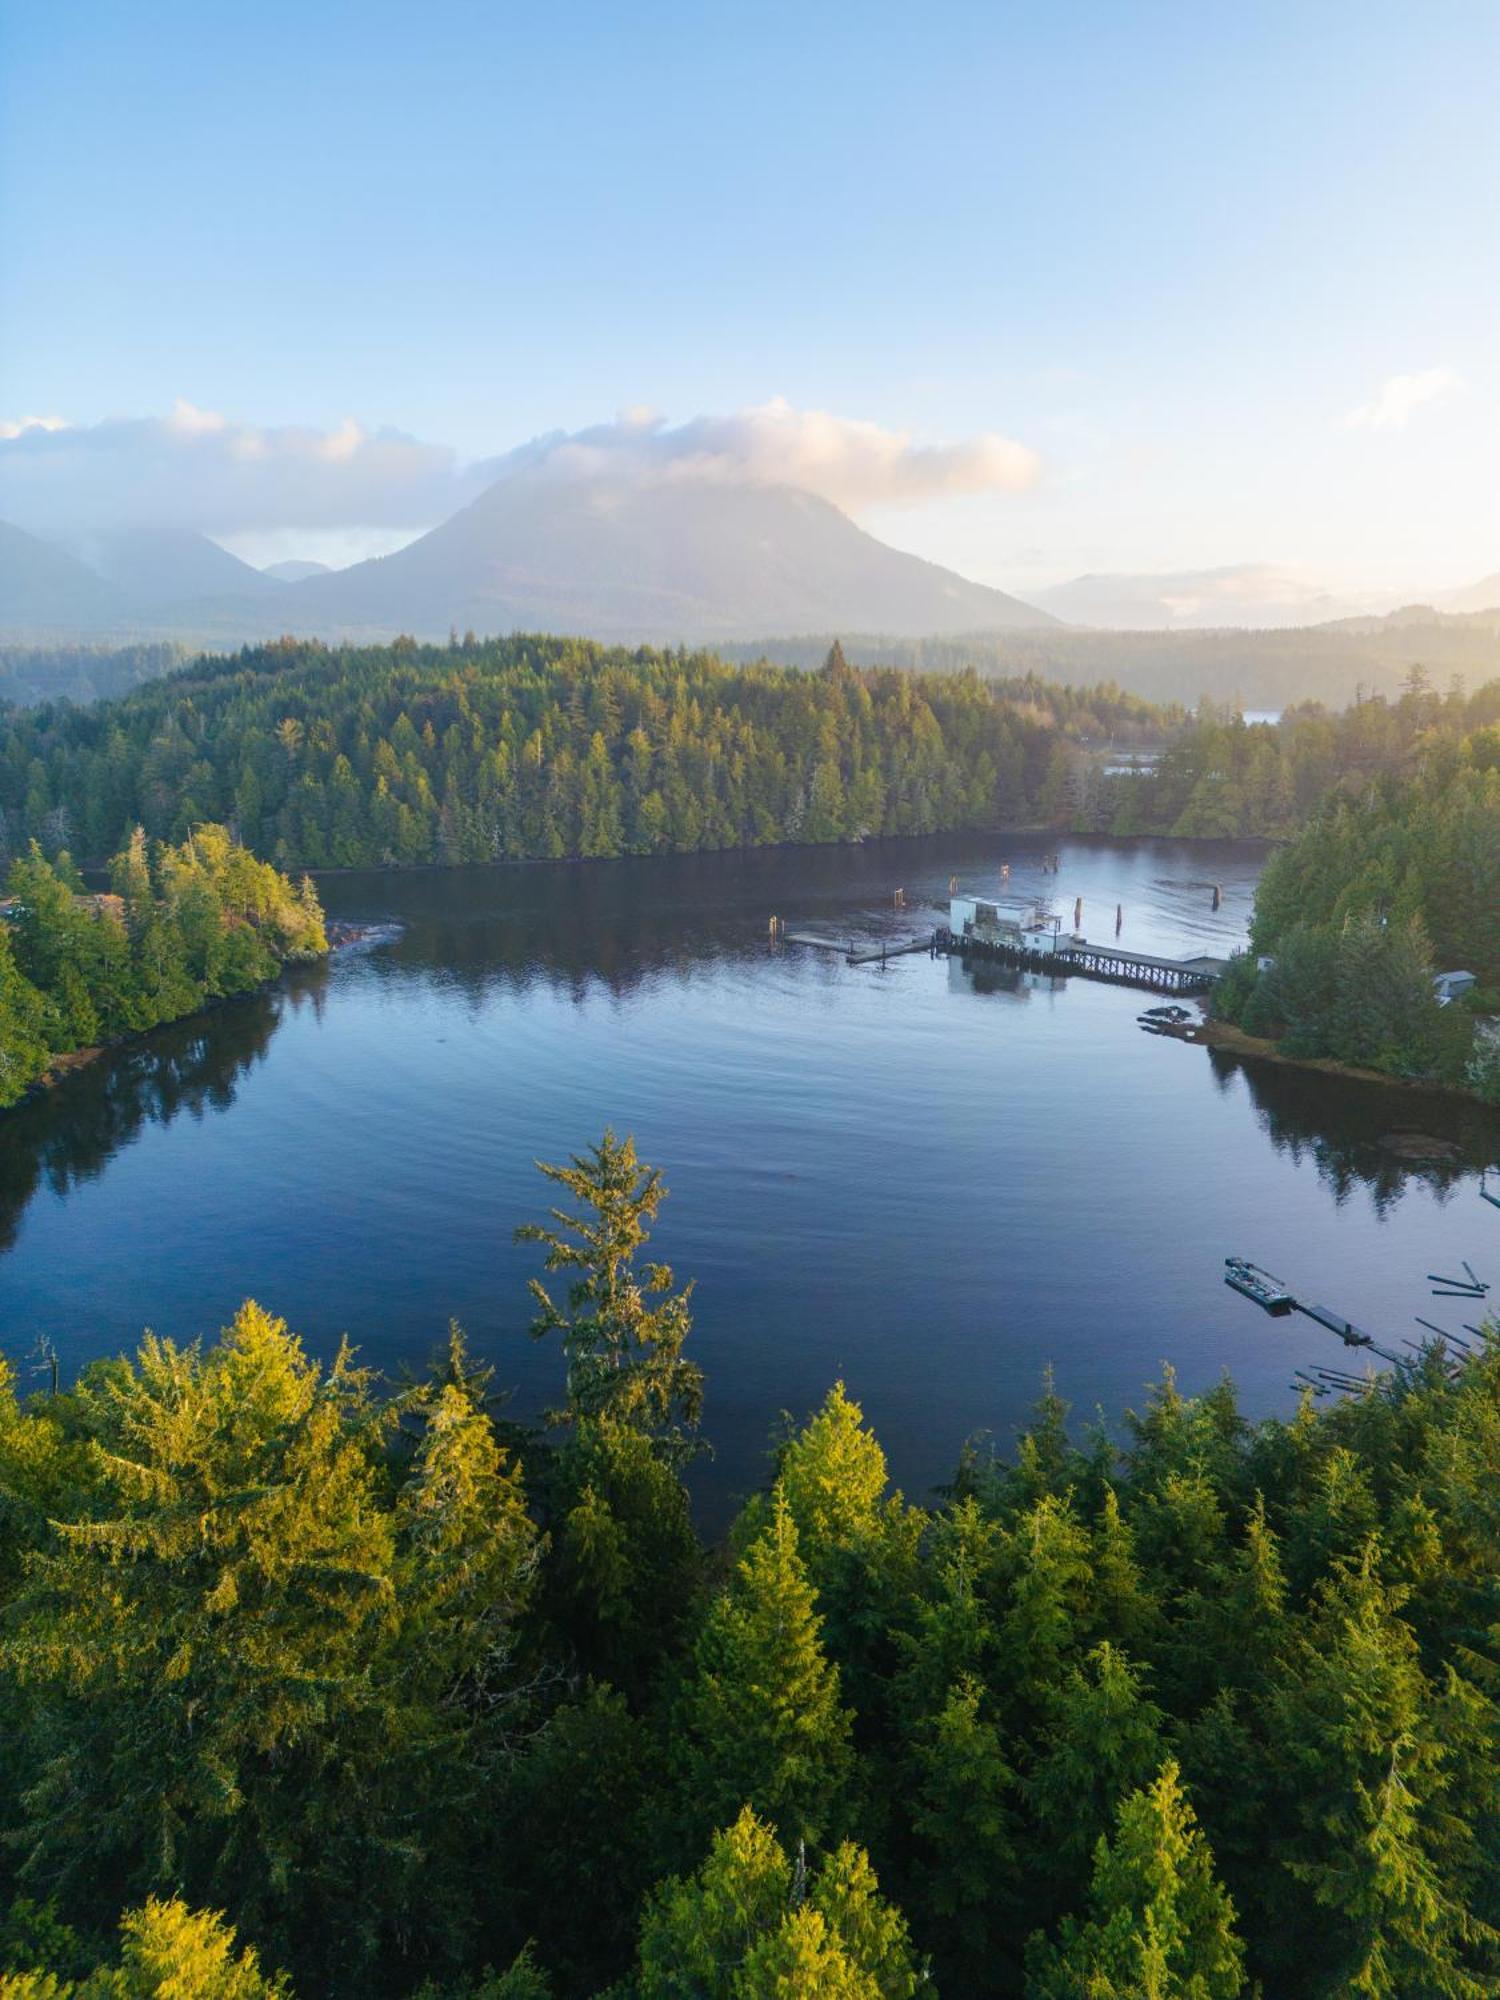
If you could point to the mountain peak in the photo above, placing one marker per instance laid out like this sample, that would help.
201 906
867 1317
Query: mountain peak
662 559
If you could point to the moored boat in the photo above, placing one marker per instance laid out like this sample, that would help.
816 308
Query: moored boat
1249 1279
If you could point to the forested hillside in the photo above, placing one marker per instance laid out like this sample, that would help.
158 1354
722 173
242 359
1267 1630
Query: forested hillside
179 927
536 747
30 675
1334 663
385 1689
1385 884
1222 777
544 748
547 749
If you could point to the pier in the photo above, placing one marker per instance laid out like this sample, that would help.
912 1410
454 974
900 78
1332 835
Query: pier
860 954
1067 956
1273 1296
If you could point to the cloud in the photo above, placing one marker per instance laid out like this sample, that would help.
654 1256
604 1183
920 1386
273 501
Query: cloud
1399 397
13 428
197 469
856 465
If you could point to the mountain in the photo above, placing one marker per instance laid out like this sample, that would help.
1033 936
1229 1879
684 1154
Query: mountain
1258 596
163 569
1481 596
295 571
44 589
659 561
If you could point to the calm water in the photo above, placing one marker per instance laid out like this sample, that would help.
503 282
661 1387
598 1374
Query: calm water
926 1182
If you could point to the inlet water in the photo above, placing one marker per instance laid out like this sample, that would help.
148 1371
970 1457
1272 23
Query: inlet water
927 1181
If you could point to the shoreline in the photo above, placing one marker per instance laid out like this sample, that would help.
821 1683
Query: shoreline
342 937
1028 831
1212 1034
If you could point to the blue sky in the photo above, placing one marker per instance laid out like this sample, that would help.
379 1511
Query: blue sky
1172 249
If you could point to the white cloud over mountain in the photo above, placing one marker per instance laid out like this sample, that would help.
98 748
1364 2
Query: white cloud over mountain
199 470
853 464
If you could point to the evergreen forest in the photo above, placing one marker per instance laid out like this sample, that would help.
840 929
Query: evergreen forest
314 1685
536 748
539 748
179 927
1382 885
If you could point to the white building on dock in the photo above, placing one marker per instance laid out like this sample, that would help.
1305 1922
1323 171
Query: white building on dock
1022 924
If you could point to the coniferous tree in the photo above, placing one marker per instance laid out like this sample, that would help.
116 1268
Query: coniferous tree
1366 1773
762 1716
622 1332
166 1951
1159 1926
247 1671
24 1036
747 1927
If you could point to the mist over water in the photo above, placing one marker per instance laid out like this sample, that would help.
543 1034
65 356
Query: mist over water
929 1181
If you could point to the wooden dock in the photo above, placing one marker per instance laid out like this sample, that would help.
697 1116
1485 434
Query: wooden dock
844 945
1347 1331
1094 961
1280 1302
1074 956
866 953
878 954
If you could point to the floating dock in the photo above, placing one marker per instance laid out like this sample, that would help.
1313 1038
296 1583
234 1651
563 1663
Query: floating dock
844 945
1273 1297
1347 1331
867 953
878 954
1092 961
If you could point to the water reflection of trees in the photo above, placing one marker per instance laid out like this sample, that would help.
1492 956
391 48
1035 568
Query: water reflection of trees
70 1134
621 924
1343 1126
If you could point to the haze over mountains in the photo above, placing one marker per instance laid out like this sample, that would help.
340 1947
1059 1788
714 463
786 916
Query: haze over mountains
630 561
735 563
1261 597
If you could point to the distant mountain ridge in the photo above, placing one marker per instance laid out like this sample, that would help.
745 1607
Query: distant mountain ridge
655 562
1481 596
746 569
42 586
1251 597
160 568
1245 596
634 562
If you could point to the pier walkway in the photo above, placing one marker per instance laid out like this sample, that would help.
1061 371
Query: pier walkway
1093 961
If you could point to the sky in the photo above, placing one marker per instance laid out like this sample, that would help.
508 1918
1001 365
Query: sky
1033 289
